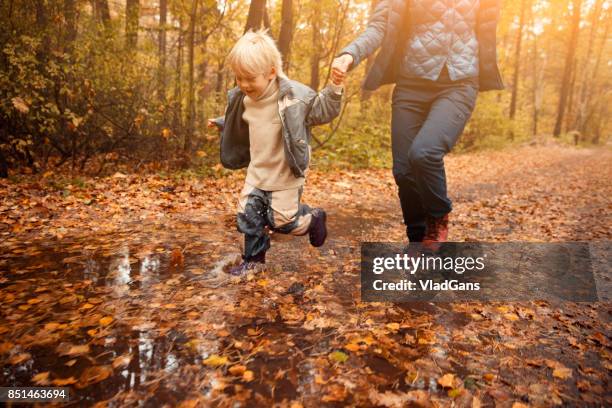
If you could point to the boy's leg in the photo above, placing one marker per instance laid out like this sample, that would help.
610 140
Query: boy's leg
252 220
286 214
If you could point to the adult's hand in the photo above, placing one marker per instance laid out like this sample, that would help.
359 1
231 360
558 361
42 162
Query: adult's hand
340 66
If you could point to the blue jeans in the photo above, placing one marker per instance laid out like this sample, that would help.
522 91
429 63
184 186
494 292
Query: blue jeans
427 119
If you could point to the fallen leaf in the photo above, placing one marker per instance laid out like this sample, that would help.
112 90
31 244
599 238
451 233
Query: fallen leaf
93 375
562 372
215 360
105 321
338 356
122 361
41 378
60 382
19 358
447 380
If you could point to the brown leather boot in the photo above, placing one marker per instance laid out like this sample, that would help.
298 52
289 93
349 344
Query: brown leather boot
436 232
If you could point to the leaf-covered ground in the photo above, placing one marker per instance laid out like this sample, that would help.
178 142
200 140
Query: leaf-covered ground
115 287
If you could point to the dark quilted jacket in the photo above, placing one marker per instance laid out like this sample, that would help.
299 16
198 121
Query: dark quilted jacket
388 29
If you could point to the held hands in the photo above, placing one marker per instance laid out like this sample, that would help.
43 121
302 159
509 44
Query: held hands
211 124
339 68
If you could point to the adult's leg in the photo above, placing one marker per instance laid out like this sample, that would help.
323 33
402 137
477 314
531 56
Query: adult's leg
449 112
252 220
409 110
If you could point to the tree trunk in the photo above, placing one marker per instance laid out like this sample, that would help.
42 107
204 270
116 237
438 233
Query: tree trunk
163 14
132 12
103 12
42 22
266 20
256 15
567 72
517 60
191 84
286 32
70 15
178 87
315 57
3 166
585 80
570 99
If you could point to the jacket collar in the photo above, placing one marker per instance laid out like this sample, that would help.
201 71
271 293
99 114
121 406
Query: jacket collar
284 85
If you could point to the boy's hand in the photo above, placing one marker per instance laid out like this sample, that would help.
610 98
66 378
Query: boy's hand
211 124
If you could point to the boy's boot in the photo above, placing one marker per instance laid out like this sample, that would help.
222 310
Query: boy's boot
248 264
437 231
317 231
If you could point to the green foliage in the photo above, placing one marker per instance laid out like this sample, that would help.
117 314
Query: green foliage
490 128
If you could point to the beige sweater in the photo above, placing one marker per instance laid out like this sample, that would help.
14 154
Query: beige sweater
268 169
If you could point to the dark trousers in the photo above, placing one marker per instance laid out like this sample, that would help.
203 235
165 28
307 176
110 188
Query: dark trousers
427 119
281 211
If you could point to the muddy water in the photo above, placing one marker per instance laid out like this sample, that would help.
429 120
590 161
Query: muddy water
148 317
119 317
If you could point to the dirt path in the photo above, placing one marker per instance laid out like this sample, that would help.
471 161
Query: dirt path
138 307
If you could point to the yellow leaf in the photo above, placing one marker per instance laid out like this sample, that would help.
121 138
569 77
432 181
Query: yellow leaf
338 356
60 382
237 369
105 321
41 378
562 372
87 306
248 376
215 360
34 301
51 326
393 326
447 380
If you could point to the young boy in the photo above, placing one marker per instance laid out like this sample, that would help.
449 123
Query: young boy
266 128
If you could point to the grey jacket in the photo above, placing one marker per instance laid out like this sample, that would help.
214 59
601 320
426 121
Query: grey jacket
390 27
299 108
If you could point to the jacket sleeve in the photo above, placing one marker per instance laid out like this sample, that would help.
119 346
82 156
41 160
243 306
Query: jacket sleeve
324 107
371 39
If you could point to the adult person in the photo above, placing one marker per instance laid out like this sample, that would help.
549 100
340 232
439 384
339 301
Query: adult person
439 54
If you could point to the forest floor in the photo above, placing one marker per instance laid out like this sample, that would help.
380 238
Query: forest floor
115 287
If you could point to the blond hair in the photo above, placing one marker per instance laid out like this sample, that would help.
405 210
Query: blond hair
255 53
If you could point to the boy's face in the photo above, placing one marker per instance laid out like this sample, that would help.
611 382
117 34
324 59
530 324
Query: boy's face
253 86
